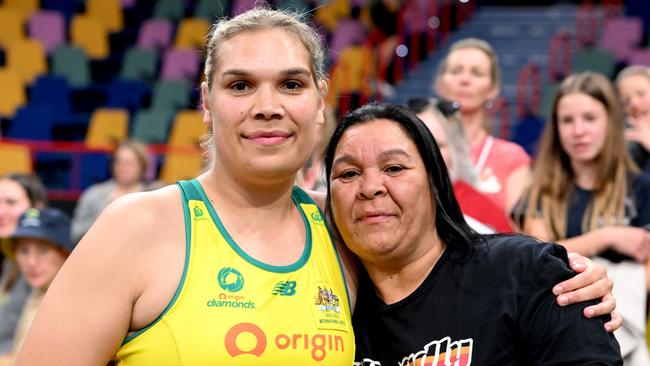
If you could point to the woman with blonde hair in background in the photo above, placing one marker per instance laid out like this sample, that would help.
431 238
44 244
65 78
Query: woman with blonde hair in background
470 75
588 195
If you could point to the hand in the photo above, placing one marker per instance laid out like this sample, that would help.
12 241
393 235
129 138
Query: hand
639 132
631 241
590 283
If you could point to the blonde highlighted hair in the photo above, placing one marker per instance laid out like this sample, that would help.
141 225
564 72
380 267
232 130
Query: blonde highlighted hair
553 175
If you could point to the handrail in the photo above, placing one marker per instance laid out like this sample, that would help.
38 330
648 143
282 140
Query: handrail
529 86
77 149
560 50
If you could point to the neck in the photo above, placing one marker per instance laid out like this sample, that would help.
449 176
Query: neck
585 175
473 126
395 280
233 193
129 187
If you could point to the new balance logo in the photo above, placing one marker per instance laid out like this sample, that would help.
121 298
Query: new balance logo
284 288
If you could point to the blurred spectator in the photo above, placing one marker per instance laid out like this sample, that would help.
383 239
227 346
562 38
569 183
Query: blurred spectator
587 194
634 86
443 121
40 245
312 175
18 192
129 168
470 75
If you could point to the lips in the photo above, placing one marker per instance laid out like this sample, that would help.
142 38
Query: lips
374 217
267 138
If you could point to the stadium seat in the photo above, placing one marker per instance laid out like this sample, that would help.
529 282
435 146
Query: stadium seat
181 65
211 10
168 9
15 158
595 60
151 126
12 92
181 165
11 26
128 94
107 127
155 33
52 92
71 63
140 64
170 94
33 122
191 33
25 8
187 129
47 26
108 11
621 35
27 58
91 35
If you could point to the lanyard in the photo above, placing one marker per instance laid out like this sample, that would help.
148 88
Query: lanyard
485 152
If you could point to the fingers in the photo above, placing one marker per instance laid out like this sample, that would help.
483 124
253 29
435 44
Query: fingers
588 273
615 323
606 306
589 285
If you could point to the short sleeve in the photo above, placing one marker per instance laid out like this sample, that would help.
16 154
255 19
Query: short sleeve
554 335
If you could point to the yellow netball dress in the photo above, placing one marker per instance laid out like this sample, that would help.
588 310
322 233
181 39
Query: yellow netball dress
231 309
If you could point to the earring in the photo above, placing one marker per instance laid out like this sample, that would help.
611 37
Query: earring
488 104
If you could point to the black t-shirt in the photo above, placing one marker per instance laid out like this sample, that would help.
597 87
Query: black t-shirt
637 210
496 308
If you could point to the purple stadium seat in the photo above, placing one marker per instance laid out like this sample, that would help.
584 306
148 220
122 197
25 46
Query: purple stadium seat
240 6
179 64
128 3
348 32
621 35
47 26
640 57
155 33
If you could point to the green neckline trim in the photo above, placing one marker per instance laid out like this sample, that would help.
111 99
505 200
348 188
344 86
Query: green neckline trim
188 241
295 197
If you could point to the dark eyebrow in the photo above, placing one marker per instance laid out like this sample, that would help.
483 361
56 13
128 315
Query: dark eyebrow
296 71
384 155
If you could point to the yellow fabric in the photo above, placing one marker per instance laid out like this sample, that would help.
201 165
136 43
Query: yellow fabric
234 310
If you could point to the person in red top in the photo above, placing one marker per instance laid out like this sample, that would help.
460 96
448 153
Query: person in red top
470 76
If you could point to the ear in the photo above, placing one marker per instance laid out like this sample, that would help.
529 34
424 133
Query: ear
494 92
322 92
205 105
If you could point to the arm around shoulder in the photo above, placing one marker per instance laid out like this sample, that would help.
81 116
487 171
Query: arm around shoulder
559 335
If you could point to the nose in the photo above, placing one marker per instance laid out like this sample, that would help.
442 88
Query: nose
267 105
372 186
578 127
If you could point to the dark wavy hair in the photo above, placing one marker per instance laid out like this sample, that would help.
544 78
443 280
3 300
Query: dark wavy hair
450 222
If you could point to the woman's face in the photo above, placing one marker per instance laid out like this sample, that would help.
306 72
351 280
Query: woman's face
126 166
467 79
381 200
264 106
635 92
582 126
13 202
38 261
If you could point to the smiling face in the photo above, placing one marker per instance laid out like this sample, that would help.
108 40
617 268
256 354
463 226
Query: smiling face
582 127
38 261
467 78
381 199
635 92
264 105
